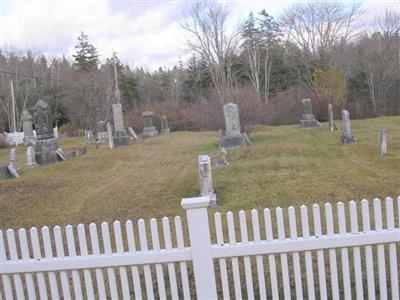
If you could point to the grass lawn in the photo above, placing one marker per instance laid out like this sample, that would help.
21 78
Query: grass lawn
285 166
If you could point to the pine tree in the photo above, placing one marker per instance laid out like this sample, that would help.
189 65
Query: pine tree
86 54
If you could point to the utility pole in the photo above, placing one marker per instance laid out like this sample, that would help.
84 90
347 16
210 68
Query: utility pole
13 120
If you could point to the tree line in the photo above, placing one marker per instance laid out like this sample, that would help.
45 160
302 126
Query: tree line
319 50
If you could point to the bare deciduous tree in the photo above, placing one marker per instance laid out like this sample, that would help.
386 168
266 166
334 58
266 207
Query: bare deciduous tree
209 37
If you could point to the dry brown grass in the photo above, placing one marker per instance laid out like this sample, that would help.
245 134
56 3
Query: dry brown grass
286 166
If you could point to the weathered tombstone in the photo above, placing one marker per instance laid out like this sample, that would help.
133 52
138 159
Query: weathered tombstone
347 135
383 134
46 144
121 138
61 154
101 126
27 125
149 130
30 158
233 138
308 119
13 165
13 159
164 124
55 132
102 134
206 187
88 136
221 157
110 135
330 118
133 134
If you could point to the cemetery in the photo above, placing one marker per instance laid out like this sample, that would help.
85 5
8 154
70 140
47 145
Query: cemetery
266 165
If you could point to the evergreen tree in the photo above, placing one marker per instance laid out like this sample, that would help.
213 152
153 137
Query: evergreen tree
86 54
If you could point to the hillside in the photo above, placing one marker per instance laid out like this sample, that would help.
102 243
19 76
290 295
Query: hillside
285 166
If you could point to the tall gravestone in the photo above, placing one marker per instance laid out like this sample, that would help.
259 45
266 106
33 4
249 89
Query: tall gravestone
27 125
233 137
164 124
308 119
30 158
46 144
121 137
330 118
149 130
347 135
383 136
205 176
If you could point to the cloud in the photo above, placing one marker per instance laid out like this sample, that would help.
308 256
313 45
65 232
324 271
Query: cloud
143 33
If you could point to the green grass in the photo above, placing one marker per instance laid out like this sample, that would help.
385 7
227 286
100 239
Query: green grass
285 166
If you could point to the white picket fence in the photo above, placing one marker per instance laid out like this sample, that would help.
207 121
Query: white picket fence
76 264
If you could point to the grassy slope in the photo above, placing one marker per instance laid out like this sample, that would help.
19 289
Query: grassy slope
286 166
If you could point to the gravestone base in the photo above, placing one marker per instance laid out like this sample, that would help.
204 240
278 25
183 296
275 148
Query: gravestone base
29 141
233 141
46 151
121 138
348 139
149 132
308 121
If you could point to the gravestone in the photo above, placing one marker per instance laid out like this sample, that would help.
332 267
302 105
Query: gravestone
102 134
61 154
221 157
347 135
206 187
46 144
12 164
110 135
121 137
383 135
164 124
133 134
149 130
55 132
30 158
331 123
27 125
308 119
233 138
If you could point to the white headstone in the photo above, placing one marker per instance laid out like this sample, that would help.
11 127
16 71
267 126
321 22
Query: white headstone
383 135
110 135
232 121
347 135
133 133
206 186
30 157
330 118
13 159
118 117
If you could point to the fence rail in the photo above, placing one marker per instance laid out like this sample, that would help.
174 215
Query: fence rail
352 259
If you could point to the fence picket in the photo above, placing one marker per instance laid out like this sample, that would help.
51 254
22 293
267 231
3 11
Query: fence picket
37 255
320 253
76 280
171 266
105 233
332 252
235 263
60 253
12 249
368 251
23 243
271 257
222 261
394 280
94 241
8 292
295 255
182 265
284 261
135 270
344 253
146 268
380 251
48 252
259 258
83 248
356 252
159 270
247 262
126 294
307 254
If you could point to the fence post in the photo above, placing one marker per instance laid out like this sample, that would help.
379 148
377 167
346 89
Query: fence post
200 243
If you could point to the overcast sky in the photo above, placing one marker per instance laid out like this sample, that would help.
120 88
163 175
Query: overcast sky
143 33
